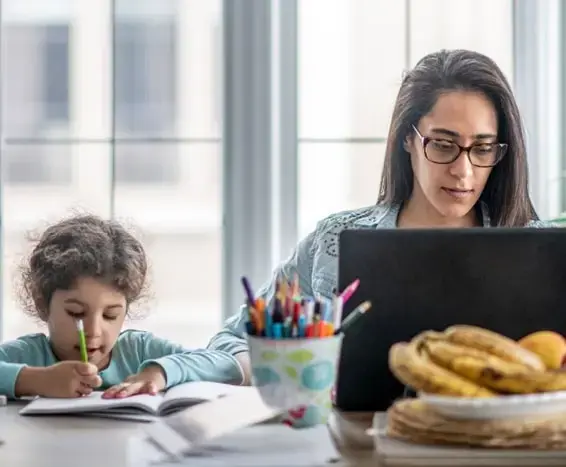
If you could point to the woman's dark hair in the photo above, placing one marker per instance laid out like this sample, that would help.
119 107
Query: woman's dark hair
506 192
82 246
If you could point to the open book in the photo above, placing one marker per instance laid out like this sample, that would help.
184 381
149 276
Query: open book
141 407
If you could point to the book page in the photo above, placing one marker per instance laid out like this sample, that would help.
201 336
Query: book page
91 403
198 391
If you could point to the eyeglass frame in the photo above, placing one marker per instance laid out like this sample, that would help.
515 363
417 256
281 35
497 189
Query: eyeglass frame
426 139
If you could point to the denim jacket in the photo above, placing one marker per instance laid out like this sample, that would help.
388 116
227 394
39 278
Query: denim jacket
315 261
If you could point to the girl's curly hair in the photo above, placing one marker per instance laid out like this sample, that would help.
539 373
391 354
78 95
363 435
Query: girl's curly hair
82 246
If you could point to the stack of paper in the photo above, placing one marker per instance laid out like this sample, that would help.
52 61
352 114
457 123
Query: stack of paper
233 431
263 446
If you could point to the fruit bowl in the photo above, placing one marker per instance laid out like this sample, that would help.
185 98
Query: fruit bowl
498 407
472 373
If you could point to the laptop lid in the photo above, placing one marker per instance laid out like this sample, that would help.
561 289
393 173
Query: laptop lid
512 281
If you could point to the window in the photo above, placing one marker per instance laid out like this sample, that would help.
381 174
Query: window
68 119
351 61
36 84
55 86
145 77
561 178
146 54
36 165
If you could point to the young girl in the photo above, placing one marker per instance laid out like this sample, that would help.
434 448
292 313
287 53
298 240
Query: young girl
89 269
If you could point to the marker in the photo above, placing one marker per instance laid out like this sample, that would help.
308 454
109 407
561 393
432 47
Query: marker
338 305
301 325
310 310
288 327
268 323
82 341
316 325
295 289
276 330
328 329
260 316
353 317
248 289
250 328
349 291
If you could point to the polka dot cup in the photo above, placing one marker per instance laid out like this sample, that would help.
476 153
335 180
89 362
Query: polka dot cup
303 371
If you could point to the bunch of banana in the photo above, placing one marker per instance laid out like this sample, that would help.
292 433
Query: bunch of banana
470 361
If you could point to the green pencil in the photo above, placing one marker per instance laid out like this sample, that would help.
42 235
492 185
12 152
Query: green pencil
82 341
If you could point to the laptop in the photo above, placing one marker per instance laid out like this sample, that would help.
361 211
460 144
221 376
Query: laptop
509 280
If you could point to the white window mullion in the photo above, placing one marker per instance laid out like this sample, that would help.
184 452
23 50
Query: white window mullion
537 78
90 100
247 147
284 178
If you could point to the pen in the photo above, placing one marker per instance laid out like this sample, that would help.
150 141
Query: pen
82 340
277 331
250 330
260 309
248 289
338 305
268 323
327 329
316 325
295 289
349 291
290 315
288 326
353 317
301 325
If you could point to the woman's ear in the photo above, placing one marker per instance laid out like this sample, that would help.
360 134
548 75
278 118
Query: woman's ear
407 144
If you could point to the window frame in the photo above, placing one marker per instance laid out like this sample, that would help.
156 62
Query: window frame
538 28
260 127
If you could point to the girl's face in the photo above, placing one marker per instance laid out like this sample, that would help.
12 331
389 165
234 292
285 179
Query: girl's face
102 309
448 192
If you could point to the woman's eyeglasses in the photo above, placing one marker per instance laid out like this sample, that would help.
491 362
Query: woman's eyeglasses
443 151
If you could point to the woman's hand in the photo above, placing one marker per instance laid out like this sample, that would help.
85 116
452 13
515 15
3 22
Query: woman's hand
150 380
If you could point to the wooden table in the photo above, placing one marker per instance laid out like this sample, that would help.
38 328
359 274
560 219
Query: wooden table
81 441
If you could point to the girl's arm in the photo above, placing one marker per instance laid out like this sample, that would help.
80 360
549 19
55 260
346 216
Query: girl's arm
19 359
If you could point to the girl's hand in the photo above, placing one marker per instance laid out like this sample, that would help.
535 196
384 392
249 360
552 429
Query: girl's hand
150 380
64 379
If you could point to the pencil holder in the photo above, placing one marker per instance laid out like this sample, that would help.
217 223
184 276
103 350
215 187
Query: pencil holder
302 370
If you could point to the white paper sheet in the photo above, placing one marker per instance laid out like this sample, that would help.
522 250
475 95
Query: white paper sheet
271 445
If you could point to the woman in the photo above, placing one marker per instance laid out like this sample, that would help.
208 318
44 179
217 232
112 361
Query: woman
455 157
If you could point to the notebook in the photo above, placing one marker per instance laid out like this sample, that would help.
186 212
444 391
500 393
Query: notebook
141 407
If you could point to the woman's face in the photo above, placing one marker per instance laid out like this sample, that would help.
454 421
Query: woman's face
451 190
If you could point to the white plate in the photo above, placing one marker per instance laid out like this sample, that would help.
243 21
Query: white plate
499 407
